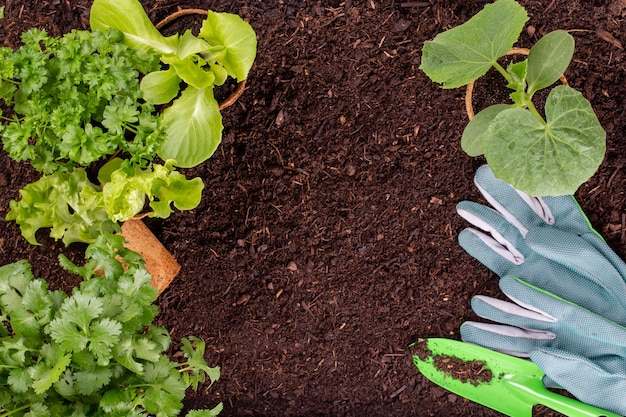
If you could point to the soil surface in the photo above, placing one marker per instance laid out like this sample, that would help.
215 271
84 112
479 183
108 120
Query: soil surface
326 239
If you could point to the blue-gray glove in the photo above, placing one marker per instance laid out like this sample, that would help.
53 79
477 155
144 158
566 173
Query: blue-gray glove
548 242
578 350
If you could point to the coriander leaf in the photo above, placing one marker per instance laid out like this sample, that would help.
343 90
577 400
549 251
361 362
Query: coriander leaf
44 374
14 352
66 385
25 323
81 309
462 54
38 410
215 411
136 287
67 335
100 259
117 399
14 279
103 335
19 380
92 380
130 348
164 389
196 368
160 336
38 299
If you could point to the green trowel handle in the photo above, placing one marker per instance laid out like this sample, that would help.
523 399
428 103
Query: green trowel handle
535 392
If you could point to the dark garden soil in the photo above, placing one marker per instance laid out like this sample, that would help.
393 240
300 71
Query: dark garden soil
326 239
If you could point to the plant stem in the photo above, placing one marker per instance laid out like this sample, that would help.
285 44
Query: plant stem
8 413
503 72
533 110
527 102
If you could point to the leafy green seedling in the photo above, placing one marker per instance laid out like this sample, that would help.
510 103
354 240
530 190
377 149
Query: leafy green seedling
75 101
97 351
541 156
225 46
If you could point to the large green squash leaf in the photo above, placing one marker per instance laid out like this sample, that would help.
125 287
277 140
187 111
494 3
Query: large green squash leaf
472 138
462 54
547 159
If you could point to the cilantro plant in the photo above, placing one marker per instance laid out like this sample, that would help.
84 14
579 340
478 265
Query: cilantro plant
97 351
193 65
541 156
73 102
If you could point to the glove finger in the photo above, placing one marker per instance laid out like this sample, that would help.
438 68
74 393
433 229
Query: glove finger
491 222
578 327
511 340
488 251
599 278
512 314
595 240
584 379
562 212
517 207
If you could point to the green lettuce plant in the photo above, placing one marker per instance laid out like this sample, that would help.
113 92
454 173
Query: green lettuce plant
192 66
97 351
542 156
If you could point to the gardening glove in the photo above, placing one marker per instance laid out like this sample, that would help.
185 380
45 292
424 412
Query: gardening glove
548 242
577 349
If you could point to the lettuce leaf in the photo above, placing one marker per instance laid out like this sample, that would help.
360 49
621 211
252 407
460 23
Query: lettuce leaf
125 195
193 128
130 18
233 40
67 203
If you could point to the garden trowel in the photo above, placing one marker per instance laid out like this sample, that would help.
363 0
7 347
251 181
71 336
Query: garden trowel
504 383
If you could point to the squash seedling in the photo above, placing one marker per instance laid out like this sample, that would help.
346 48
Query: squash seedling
542 156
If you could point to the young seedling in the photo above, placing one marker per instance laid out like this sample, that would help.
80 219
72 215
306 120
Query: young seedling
542 156
96 352
74 102
192 66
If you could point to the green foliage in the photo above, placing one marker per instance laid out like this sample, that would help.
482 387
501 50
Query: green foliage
74 101
225 46
462 54
77 210
542 157
126 192
67 203
95 352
